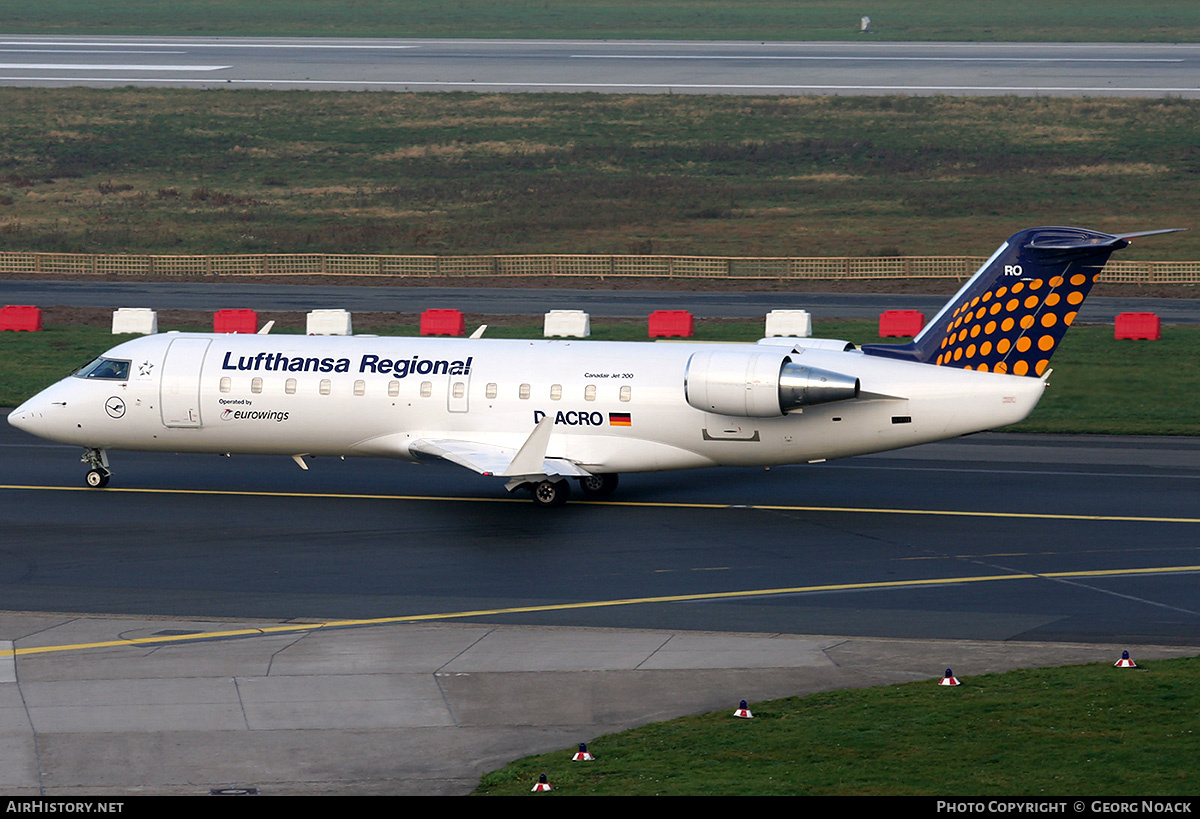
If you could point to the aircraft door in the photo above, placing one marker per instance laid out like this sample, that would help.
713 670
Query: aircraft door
458 393
179 391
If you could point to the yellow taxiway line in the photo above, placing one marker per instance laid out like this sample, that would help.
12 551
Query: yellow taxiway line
594 604
864 510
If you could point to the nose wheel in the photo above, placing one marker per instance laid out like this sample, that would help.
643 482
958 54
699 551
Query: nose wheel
99 473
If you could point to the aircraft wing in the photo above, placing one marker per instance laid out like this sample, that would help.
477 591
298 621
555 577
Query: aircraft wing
488 459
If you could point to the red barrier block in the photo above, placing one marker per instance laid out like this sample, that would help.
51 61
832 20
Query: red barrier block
235 321
20 317
900 323
1138 326
672 324
443 323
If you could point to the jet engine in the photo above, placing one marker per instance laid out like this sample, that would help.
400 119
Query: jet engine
760 383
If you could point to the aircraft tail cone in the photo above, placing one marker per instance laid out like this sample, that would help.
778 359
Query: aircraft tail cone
743 711
582 754
1125 662
542 785
949 679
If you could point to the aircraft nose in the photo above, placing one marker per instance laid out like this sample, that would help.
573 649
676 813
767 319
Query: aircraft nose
26 418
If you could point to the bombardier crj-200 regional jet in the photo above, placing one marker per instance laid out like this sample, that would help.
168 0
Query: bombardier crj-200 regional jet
538 413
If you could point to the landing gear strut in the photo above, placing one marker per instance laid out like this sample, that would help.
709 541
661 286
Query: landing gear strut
98 475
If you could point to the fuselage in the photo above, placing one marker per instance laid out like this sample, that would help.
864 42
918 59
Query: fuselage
616 406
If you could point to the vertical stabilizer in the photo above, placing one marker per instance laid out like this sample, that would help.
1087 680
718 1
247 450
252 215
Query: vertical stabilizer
1014 311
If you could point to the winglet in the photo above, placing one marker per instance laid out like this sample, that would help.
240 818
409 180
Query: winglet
529 458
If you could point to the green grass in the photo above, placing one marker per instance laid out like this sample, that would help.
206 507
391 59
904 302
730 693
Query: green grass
982 20
1099 385
191 171
1087 730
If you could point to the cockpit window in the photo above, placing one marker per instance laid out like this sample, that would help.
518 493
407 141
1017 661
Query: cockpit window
111 369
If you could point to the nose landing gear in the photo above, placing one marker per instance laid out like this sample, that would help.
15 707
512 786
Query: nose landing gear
98 475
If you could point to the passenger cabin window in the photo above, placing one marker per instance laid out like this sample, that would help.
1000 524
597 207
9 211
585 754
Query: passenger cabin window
325 386
109 369
360 387
490 391
256 384
555 392
626 393
459 389
289 386
226 384
393 388
426 389
524 392
589 392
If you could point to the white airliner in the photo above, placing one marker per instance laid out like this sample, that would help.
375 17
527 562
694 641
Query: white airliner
538 413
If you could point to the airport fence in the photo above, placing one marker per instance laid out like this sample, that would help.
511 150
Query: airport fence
686 267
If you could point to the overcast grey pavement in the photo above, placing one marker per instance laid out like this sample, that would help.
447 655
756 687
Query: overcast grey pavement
507 301
862 67
402 709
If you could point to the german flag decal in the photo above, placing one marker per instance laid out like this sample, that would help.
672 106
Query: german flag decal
619 419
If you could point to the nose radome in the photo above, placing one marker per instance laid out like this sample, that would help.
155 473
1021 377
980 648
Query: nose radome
24 418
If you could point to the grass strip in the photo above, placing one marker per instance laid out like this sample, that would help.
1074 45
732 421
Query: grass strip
178 171
966 20
1078 731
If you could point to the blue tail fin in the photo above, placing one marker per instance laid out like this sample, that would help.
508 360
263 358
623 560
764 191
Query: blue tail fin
1012 314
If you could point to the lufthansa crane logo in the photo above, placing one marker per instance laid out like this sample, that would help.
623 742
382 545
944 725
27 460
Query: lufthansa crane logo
115 407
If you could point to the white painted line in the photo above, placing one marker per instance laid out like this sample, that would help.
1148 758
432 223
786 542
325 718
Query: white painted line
79 51
103 67
205 45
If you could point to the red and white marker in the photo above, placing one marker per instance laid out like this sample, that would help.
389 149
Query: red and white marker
949 679
1125 662
743 712
542 784
582 754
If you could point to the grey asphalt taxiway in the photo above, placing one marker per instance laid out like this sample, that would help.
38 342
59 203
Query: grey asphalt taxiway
377 627
860 67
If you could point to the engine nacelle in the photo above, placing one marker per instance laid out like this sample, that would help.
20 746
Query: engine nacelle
760 383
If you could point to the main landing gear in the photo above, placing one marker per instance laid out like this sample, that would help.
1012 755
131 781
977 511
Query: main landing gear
599 486
98 475
551 492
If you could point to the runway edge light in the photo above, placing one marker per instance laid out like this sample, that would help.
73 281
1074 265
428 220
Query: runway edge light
542 784
1124 662
582 754
743 711
949 679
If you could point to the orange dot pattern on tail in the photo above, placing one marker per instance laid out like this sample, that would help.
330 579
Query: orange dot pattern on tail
1014 327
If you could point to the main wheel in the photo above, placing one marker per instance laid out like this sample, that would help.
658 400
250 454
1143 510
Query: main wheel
551 493
97 478
599 486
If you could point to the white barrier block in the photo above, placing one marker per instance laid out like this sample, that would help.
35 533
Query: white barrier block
135 320
789 323
573 323
328 323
